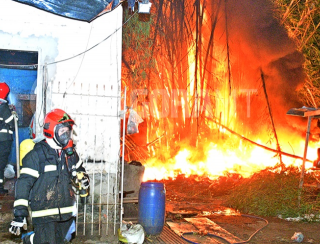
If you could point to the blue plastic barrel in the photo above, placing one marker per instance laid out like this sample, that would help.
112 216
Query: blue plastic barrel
152 198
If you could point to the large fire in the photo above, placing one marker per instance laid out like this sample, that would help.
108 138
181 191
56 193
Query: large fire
219 162
229 154
219 64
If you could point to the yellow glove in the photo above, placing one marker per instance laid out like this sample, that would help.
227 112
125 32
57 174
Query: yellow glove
84 180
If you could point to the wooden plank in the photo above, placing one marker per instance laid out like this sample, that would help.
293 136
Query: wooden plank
296 112
206 225
193 233
130 200
304 112
182 227
312 113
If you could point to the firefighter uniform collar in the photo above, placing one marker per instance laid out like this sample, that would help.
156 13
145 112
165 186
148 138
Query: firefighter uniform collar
52 144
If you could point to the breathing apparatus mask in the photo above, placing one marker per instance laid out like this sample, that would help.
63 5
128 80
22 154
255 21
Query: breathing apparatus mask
62 135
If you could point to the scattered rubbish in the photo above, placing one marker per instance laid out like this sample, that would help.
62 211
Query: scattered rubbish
131 233
296 219
306 217
297 237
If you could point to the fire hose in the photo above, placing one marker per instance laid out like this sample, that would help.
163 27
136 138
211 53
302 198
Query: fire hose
217 236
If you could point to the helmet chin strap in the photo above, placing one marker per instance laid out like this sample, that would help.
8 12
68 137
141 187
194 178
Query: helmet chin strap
53 143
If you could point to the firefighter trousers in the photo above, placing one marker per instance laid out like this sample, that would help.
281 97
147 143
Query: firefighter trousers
4 156
50 233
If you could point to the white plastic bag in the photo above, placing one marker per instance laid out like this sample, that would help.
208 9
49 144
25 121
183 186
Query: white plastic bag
133 233
133 122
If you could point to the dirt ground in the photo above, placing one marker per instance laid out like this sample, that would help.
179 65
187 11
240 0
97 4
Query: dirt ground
268 230
186 199
190 198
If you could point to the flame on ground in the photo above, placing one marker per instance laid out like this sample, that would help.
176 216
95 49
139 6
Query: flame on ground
215 161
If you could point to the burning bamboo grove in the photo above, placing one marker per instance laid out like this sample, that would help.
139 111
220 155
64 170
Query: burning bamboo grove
213 81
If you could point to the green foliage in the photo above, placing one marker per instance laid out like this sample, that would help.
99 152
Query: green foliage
272 194
302 20
137 49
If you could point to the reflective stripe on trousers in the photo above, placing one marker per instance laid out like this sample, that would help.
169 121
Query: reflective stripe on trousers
53 211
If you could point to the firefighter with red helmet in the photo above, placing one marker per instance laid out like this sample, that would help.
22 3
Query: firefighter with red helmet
6 132
45 185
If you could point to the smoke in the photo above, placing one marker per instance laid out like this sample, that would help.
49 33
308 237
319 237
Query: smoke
253 23
261 47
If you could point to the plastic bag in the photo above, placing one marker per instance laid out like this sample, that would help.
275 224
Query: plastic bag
133 122
131 233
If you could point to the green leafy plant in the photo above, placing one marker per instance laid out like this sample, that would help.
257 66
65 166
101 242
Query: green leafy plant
269 193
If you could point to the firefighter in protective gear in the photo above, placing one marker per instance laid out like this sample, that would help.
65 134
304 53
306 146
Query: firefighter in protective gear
45 184
6 132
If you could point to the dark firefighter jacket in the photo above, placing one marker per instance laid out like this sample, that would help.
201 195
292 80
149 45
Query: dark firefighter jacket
6 123
45 183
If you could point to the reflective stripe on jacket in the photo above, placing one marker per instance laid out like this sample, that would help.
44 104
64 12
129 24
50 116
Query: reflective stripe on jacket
6 123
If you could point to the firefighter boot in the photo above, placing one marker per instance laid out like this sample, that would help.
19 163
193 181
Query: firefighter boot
27 238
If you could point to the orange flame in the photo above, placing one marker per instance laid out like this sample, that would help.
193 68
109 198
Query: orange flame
219 162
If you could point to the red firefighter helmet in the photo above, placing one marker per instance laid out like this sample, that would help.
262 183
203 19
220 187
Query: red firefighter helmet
54 118
4 90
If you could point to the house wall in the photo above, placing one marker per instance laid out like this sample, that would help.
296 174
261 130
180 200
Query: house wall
86 84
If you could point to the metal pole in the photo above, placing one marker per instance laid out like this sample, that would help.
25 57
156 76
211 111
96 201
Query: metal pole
77 216
123 147
304 158
94 166
100 196
85 209
15 116
107 228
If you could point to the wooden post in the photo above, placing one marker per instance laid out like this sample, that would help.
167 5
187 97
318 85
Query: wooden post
304 158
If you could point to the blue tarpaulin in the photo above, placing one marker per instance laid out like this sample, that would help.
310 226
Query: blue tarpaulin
85 10
131 4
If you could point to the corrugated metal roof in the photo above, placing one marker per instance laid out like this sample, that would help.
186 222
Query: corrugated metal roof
85 10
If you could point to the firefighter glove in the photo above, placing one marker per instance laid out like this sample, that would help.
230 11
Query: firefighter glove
16 224
84 180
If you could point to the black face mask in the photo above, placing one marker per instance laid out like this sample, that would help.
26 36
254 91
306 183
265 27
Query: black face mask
64 139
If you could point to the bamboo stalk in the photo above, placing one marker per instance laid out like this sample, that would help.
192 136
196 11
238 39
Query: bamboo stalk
271 117
262 146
